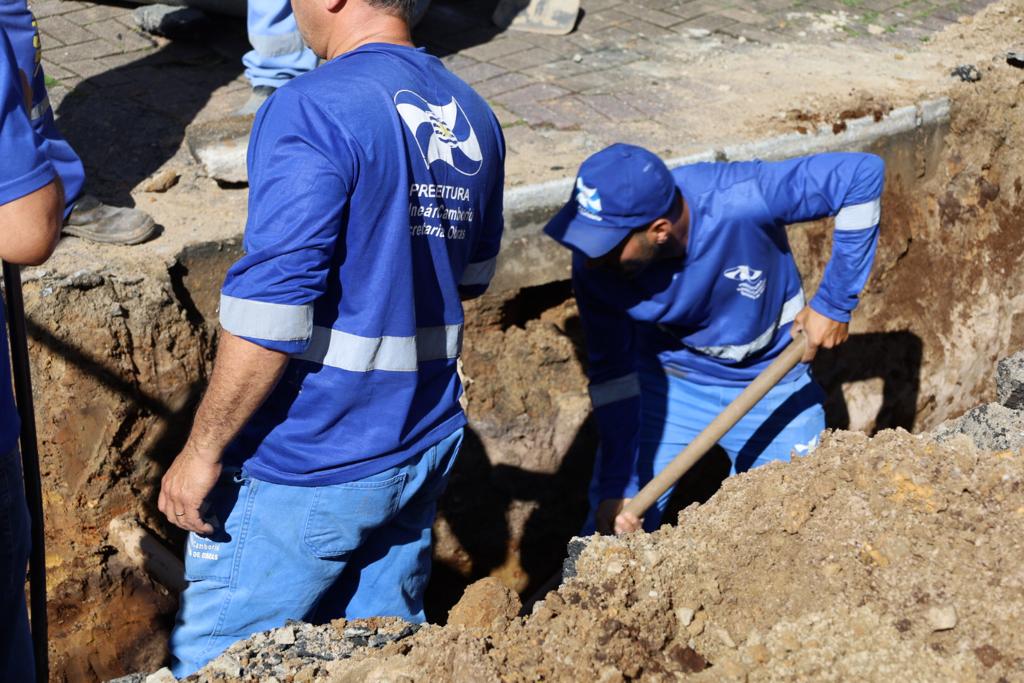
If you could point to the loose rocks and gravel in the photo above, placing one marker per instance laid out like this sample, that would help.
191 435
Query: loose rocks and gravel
893 557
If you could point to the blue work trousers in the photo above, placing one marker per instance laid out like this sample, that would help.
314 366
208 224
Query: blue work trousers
278 53
315 553
790 418
21 27
16 659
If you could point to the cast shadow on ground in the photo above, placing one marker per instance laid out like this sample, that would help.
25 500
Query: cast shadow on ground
127 122
480 493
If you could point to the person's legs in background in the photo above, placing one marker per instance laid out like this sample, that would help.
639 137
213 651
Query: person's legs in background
16 659
278 53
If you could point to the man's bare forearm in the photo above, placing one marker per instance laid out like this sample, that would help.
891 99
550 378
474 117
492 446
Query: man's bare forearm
244 374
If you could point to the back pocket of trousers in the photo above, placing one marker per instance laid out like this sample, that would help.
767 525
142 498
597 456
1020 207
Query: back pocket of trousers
341 516
228 510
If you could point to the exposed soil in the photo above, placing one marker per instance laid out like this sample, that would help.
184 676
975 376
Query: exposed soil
885 558
122 340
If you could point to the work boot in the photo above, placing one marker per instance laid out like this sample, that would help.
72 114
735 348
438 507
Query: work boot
95 221
259 95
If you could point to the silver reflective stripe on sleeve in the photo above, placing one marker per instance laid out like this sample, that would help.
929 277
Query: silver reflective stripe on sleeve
40 109
277 46
614 390
479 273
263 320
737 352
397 354
859 216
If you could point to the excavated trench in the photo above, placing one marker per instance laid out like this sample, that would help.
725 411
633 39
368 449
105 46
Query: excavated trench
119 360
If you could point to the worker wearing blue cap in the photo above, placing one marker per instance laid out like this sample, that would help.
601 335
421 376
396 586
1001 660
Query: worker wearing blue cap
687 289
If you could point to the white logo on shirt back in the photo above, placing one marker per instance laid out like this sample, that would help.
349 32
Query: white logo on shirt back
450 139
751 284
588 199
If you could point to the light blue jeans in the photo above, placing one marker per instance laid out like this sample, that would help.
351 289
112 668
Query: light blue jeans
358 549
16 658
790 418
278 53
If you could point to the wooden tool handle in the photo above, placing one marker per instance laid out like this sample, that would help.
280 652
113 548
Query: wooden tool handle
725 421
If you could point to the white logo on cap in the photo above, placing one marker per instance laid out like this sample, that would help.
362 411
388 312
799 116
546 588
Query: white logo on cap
588 199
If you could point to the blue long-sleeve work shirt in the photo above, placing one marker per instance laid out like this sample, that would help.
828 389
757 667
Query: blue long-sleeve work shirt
722 313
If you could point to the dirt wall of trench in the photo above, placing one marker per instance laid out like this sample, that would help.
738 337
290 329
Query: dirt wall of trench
119 361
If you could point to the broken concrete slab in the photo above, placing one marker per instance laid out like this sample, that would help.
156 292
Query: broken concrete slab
178 23
1010 381
991 426
220 146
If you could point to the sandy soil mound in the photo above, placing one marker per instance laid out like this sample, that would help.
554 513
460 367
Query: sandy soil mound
889 557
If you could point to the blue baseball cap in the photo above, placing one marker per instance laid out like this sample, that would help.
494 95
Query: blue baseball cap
619 189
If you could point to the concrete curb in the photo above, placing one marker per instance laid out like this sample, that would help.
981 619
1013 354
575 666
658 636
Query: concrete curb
529 259
859 133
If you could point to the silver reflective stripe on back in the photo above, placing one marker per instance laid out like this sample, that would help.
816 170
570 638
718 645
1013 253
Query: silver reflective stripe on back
277 46
263 320
859 216
614 390
40 109
397 354
737 352
479 273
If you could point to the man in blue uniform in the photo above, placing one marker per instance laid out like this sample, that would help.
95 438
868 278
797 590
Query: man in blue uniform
31 210
85 216
311 475
687 290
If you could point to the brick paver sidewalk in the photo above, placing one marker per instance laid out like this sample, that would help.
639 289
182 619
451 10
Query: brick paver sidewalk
544 82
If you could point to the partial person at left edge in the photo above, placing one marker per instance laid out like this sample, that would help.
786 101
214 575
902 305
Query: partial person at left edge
84 215
31 211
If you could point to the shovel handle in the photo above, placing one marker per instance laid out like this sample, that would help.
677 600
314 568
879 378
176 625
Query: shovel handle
725 421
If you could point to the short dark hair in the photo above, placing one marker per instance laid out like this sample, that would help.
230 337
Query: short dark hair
401 8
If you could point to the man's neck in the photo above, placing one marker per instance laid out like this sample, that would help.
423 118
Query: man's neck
366 25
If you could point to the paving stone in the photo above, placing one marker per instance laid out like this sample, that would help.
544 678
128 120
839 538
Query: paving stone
536 92
612 107
563 73
598 5
592 82
496 49
67 32
49 40
645 29
93 13
69 54
480 71
48 8
501 84
652 16
54 71
528 58
116 34
711 22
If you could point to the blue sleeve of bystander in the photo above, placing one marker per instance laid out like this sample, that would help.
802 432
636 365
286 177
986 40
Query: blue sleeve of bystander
23 166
